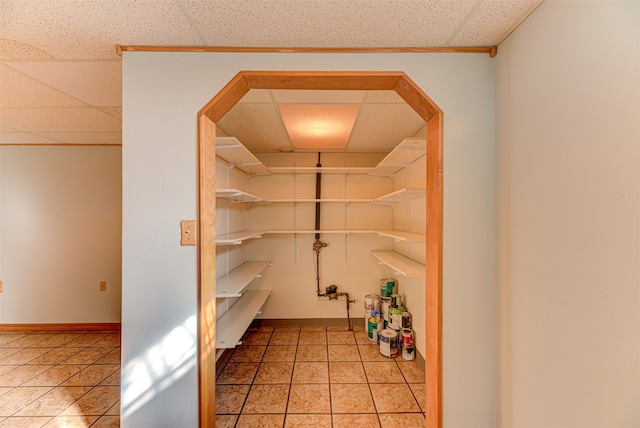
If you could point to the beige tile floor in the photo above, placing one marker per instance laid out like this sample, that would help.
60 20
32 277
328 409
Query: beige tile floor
59 379
317 377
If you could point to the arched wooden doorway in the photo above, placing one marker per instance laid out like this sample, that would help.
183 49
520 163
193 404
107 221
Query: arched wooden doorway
216 108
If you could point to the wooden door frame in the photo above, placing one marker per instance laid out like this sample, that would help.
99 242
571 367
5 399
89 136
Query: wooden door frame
215 109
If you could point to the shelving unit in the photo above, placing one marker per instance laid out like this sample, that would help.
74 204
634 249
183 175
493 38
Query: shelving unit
323 170
400 264
408 151
344 201
243 305
233 324
311 231
232 284
236 154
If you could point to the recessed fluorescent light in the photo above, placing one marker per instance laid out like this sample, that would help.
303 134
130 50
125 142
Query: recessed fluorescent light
319 126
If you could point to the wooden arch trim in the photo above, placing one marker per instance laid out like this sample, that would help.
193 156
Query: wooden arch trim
216 108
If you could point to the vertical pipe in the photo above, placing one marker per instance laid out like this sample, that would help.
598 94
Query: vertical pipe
318 195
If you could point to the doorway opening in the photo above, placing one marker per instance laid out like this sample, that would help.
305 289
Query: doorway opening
216 108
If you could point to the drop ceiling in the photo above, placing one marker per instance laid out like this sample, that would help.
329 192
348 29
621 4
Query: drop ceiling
60 75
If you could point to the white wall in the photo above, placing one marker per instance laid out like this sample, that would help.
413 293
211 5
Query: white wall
568 216
162 94
61 234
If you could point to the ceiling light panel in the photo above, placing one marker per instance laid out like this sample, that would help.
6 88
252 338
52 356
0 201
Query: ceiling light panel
319 126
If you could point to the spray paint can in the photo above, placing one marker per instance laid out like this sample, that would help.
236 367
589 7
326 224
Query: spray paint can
388 343
387 287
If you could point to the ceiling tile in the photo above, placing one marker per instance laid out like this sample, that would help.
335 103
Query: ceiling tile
24 138
329 23
113 111
76 29
13 49
492 21
19 90
70 119
98 83
383 126
84 137
294 96
257 96
384 97
264 131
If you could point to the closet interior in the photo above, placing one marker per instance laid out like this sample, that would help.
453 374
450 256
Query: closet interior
292 224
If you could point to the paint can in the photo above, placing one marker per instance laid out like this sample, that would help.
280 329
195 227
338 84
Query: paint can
406 320
388 343
395 319
396 301
387 287
374 326
408 354
386 303
375 313
407 338
371 302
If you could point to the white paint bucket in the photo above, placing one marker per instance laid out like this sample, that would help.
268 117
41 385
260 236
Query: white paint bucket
371 302
388 343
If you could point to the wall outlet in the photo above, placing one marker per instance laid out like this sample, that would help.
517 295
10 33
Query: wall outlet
103 285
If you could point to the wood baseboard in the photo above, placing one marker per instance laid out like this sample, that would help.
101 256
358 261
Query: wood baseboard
109 326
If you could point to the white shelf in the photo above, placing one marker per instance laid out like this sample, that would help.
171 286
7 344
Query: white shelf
405 153
232 284
318 200
237 238
232 151
236 195
399 235
402 195
233 324
339 231
323 170
400 264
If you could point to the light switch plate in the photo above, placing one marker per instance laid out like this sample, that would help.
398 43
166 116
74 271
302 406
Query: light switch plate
188 232
103 285
0 286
